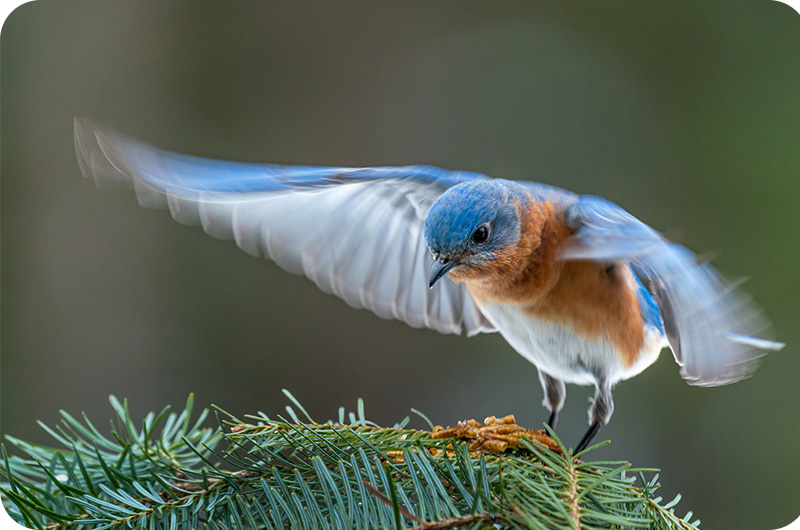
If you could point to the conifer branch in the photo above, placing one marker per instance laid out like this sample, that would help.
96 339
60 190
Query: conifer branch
167 472
572 500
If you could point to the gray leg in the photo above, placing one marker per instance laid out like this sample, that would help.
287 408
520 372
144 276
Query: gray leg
554 395
599 413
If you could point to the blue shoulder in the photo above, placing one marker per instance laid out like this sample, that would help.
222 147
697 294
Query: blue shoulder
651 314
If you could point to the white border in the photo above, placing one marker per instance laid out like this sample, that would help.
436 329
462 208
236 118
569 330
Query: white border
794 4
8 6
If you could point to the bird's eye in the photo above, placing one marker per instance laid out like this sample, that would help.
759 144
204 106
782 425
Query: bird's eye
480 235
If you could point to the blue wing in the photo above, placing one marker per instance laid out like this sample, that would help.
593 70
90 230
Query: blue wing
356 232
709 325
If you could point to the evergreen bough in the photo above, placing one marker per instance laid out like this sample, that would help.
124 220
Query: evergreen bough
173 472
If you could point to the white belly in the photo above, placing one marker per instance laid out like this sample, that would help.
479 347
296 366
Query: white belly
557 350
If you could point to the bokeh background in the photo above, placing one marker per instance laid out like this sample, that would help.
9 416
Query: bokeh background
686 113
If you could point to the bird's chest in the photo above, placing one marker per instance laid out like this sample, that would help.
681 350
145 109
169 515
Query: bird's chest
554 347
586 323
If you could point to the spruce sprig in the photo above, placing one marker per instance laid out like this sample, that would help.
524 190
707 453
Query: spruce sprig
175 472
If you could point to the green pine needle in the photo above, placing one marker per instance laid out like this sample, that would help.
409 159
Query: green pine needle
172 471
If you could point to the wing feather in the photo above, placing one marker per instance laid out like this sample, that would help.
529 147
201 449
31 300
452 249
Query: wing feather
710 326
355 232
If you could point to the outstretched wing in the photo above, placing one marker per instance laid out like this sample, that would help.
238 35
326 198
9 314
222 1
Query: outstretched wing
710 327
356 232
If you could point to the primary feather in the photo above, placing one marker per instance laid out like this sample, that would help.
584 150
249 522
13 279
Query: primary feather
297 215
708 324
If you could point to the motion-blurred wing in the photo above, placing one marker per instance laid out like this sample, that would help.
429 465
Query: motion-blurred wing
710 327
356 232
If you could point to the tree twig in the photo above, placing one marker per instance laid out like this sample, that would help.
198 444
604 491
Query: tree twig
385 500
455 522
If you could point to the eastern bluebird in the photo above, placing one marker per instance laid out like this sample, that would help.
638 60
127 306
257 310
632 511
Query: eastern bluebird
558 275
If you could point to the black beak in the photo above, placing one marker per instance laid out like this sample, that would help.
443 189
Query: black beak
440 267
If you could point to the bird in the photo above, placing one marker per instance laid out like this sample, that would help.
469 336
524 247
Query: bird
582 289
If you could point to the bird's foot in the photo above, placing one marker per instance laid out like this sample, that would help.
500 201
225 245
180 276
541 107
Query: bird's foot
594 428
552 421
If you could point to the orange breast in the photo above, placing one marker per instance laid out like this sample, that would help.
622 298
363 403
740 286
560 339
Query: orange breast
598 302
595 299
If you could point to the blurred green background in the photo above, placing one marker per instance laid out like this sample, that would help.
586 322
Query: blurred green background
686 113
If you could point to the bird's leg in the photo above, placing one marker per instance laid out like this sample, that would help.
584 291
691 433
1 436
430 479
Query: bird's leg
594 428
599 413
552 420
554 395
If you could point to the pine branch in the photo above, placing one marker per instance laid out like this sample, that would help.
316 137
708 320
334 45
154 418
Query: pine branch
296 473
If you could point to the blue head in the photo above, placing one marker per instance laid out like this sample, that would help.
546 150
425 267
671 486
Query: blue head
469 224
